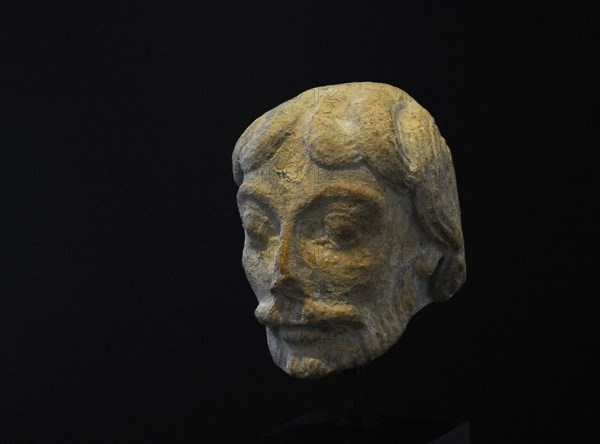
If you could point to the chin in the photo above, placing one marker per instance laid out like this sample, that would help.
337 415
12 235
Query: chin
317 357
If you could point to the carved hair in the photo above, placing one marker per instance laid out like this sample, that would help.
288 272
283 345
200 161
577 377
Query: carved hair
384 128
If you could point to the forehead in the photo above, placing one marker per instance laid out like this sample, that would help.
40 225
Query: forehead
309 182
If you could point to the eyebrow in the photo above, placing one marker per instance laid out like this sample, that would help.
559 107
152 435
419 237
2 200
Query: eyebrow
262 195
256 192
363 194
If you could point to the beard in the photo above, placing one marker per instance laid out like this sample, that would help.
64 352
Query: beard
314 354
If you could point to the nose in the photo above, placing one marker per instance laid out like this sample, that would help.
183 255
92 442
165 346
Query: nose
285 281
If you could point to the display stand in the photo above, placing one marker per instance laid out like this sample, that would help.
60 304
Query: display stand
357 418
317 429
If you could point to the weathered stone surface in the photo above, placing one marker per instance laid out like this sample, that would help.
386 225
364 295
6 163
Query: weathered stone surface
349 203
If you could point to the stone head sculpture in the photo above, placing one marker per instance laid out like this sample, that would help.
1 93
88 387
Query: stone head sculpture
348 199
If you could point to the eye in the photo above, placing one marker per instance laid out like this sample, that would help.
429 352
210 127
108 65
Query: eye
342 230
311 228
258 226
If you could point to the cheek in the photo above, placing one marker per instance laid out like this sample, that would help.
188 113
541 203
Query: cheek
344 271
258 267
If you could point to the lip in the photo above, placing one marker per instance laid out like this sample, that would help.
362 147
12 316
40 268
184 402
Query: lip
312 314
305 332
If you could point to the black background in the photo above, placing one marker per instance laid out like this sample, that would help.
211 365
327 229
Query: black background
125 315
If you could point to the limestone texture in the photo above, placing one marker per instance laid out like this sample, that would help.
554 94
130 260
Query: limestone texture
348 199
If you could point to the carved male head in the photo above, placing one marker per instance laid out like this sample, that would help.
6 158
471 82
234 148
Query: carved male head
348 199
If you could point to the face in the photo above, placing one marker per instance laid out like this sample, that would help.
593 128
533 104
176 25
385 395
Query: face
330 255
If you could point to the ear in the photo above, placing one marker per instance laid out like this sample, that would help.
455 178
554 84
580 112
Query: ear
428 261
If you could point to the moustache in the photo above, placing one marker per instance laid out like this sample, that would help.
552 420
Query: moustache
284 312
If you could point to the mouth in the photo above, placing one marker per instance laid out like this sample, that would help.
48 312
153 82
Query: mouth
310 315
308 322
296 333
